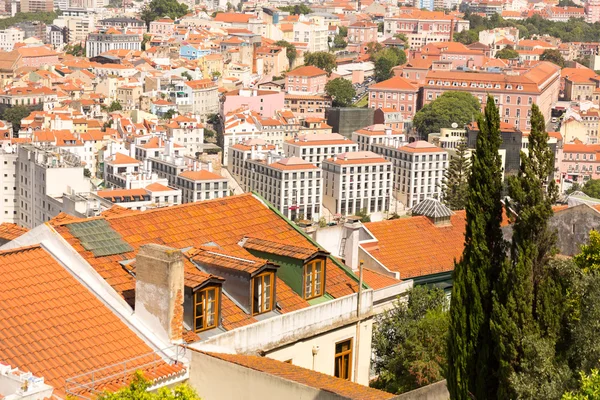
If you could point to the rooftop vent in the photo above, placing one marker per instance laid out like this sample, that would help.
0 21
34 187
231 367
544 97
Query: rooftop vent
433 209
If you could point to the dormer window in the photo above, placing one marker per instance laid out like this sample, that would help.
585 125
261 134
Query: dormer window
206 308
313 279
262 293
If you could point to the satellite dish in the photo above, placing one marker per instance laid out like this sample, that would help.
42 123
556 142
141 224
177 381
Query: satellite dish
454 125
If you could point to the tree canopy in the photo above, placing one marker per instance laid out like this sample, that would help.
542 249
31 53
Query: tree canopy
409 341
290 50
450 107
14 115
296 9
554 56
138 389
592 188
115 106
42 16
160 8
341 91
321 59
507 53
455 185
385 59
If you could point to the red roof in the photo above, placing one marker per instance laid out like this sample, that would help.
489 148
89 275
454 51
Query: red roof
307 71
395 83
202 175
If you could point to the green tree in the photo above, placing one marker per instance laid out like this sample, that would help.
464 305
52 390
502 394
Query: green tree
76 50
186 75
145 40
290 50
455 184
87 173
385 60
171 8
341 91
339 42
169 114
297 9
402 37
343 31
45 17
450 107
147 15
383 69
321 59
471 361
507 53
364 217
409 341
592 188
589 388
373 47
115 106
554 56
567 3
14 115
575 187
589 258
138 389
519 313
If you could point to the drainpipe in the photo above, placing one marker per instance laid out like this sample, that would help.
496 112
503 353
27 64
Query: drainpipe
358 304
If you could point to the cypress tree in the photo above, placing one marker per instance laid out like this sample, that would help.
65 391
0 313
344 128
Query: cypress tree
456 179
519 309
471 362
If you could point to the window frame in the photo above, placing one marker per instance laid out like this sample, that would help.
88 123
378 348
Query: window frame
312 264
340 356
271 289
197 295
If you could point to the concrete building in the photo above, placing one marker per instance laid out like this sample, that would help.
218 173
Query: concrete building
357 181
263 102
202 185
111 39
204 98
396 93
377 134
10 36
31 6
307 80
152 196
318 147
419 168
362 32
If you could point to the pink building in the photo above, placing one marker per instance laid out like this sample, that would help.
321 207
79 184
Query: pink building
455 53
395 93
592 11
362 32
264 102
163 26
306 80
580 161
514 94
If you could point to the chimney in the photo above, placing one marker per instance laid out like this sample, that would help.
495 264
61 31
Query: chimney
451 29
351 232
159 290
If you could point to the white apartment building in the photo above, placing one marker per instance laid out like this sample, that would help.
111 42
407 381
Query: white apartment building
238 127
317 147
120 169
188 132
202 185
8 184
377 134
111 39
314 35
419 168
155 195
10 36
46 177
357 181
205 97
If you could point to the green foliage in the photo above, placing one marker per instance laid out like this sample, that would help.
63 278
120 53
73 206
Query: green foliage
341 91
76 50
575 187
386 59
507 53
322 222
518 313
554 56
456 179
471 361
343 31
589 258
364 217
339 42
321 59
290 50
402 37
450 107
373 47
14 115
145 39
186 75
138 390
115 106
169 114
380 26
297 9
592 188
409 341
209 134
589 388
160 8
45 17
87 173
567 3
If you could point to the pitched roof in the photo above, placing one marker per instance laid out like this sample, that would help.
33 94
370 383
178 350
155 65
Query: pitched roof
53 326
10 231
232 17
307 70
202 175
415 246
344 389
395 83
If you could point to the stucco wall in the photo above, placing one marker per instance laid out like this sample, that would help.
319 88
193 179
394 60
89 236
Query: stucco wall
435 391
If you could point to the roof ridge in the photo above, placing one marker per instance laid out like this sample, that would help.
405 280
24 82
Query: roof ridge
19 249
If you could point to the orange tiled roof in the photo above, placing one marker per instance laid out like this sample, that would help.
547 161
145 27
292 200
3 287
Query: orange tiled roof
376 280
10 231
202 175
308 71
326 383
53 326
395 83
415 246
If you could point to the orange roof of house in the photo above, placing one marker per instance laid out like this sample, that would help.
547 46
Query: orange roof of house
53 326
232 17
307 71
114 193
157 187
10 231
202 175
415 246
195 224
326 383
121 158
395 83
377 280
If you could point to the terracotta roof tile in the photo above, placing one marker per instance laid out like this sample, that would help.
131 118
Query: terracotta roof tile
376 280
52 326
10 231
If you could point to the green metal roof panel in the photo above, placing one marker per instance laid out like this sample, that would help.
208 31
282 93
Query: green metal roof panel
98 237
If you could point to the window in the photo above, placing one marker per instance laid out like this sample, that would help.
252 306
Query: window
343 359
262 293
313 279
205 309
